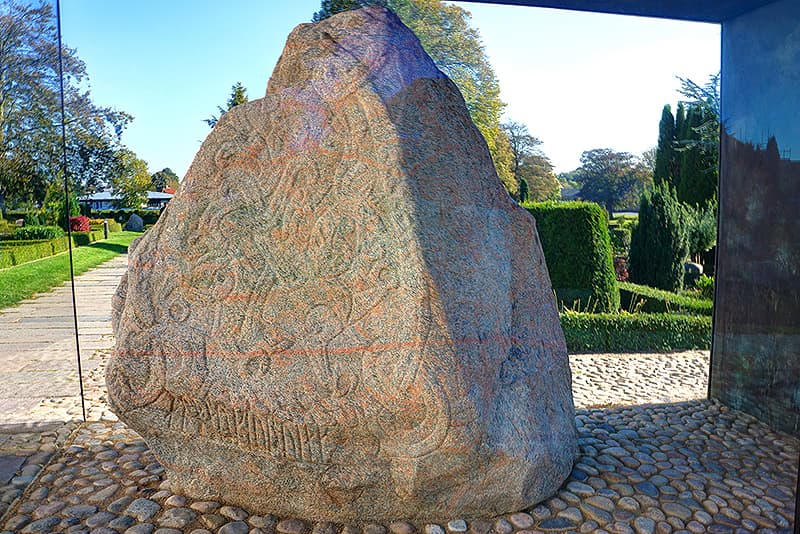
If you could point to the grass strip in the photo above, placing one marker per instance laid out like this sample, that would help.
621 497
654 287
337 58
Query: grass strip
23 281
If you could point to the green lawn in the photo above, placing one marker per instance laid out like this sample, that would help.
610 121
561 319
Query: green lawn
23 281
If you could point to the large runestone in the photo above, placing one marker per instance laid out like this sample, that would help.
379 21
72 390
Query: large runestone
341 315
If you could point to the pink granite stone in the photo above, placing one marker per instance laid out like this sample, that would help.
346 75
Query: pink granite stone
341 315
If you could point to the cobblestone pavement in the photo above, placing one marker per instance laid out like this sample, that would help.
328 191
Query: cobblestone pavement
684 467
654 457
623 379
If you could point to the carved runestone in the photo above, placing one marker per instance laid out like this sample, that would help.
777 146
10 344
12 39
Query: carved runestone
341 315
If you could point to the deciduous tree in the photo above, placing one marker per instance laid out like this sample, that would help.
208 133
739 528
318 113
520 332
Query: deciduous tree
610 178
164 178
530 165
131 180
30 115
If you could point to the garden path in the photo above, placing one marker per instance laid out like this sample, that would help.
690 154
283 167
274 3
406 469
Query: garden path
40 385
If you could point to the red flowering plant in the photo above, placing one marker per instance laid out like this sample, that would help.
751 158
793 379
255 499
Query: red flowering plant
79 224
621 268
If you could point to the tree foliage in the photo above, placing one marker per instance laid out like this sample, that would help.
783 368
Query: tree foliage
30 114
688 145
611 178
665 151
238 96
659 242
164 178
530 166
131 180
701 228
456 49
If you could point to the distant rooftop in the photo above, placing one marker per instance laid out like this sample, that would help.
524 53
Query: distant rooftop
108 195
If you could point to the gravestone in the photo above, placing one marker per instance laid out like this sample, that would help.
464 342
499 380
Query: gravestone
134 224
341 315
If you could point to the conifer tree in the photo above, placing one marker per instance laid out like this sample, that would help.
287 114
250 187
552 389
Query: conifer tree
665 151
659 242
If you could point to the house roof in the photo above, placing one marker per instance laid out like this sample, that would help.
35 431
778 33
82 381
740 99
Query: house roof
109 196
695 10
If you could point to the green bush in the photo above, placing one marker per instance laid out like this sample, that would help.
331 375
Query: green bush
642 332
85 238
705 286
659 243
620 240
38 232
114 226
577 249
639 298
17 252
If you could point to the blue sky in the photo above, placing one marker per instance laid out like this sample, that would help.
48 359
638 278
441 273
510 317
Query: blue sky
579 81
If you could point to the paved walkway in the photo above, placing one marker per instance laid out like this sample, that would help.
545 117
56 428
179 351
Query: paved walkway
37 350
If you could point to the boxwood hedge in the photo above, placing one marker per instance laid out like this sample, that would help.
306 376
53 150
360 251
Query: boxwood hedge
635 297
641 332
577 249
17 252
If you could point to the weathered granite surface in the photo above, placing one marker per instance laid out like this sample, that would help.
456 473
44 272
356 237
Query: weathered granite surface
341 315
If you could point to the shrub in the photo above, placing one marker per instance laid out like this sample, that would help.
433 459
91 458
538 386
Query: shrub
659 244
624 332
705 286
620 240
17 252
621 268
634 297
38 232
114 226
85 238
577 249
79 224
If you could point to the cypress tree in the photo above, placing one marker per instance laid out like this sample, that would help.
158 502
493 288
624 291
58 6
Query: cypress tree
665 151
659 243
698 166
680 122
523 190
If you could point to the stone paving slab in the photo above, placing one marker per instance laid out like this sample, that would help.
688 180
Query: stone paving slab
37 346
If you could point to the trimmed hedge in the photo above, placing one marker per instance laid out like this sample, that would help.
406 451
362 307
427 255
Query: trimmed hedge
97 224
17 252
639 298
577 249
641 332
27 233
85 238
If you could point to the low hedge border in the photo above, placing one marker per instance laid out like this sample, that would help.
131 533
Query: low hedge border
113 226
641 332
85 238
23 252
639 298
